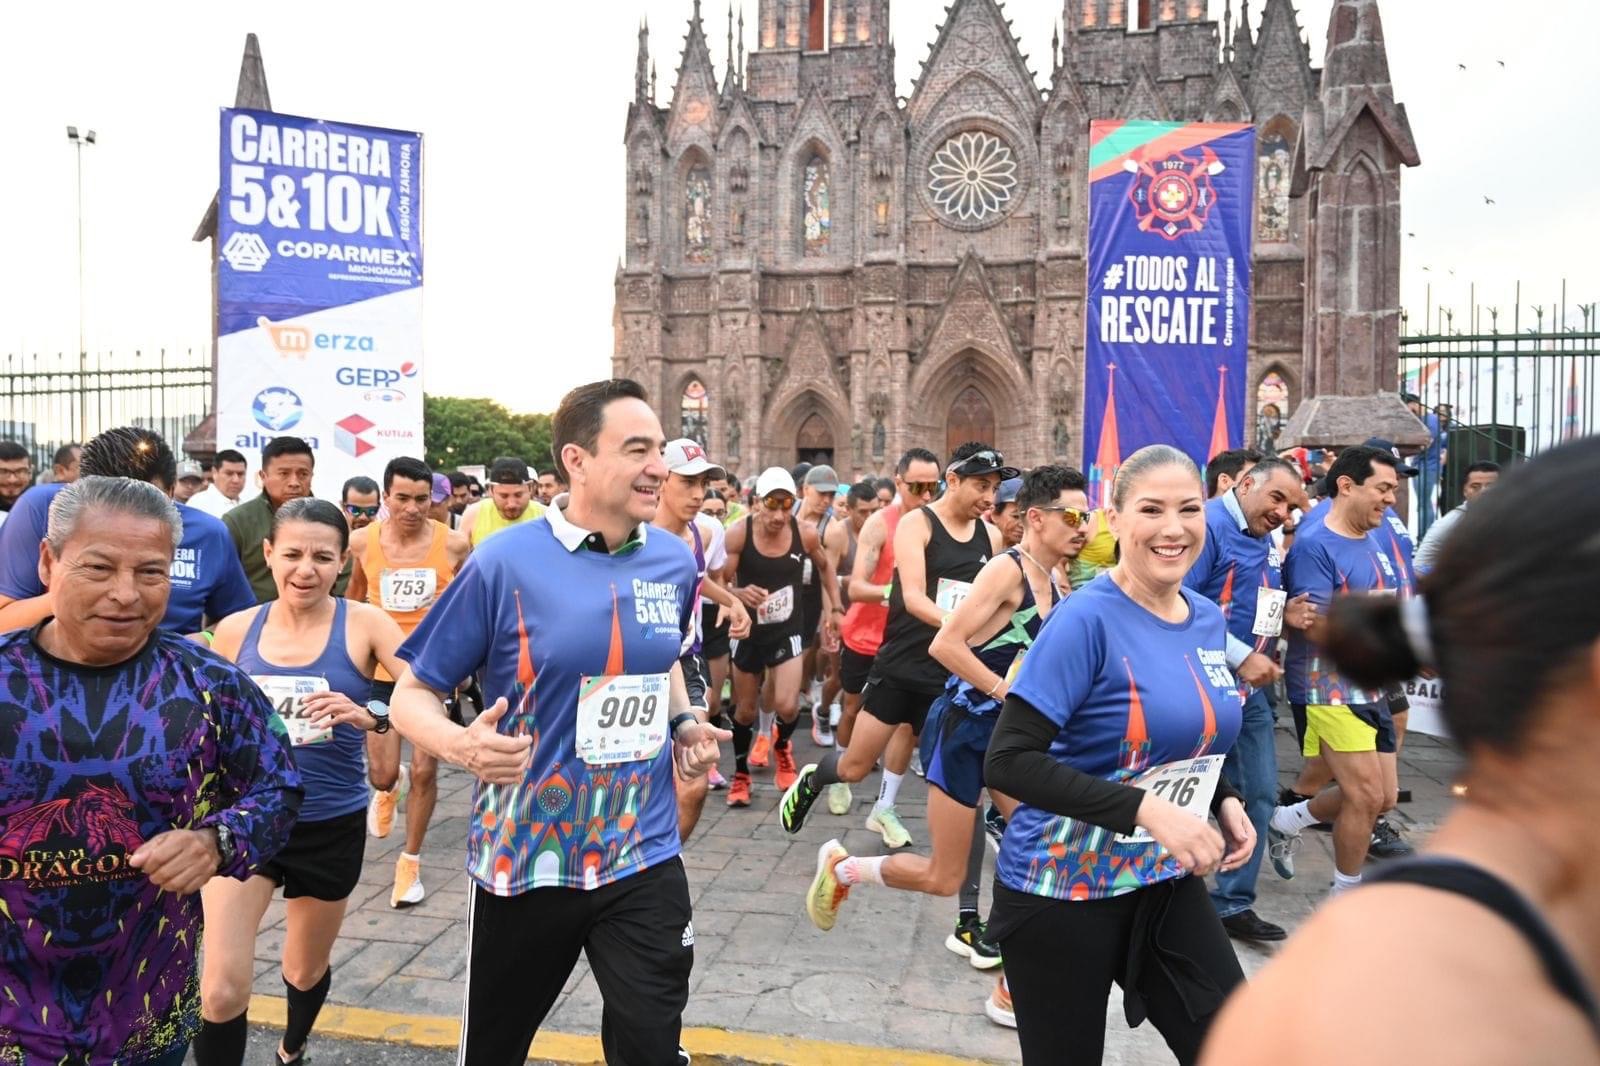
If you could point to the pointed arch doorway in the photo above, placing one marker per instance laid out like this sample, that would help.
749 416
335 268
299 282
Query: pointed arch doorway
814 441
971 418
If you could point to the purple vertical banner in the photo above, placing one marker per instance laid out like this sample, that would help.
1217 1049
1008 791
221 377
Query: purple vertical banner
1167 330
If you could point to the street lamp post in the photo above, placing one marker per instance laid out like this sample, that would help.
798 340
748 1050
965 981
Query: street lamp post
83 355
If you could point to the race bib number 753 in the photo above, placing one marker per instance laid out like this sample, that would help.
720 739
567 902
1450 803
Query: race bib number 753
621 718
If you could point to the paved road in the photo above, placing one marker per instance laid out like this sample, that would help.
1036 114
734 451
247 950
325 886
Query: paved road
882 977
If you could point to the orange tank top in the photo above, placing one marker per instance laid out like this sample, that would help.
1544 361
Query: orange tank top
406 592
862 628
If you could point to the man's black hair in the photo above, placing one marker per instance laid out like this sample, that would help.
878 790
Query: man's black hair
286 446
410 469
360 484
1229 462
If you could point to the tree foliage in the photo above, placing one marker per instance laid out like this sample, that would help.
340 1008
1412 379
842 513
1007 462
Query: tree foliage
458 431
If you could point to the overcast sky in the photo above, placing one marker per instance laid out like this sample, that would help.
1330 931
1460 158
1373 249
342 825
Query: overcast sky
522 109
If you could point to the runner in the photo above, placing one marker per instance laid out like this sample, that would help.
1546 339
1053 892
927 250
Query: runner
1007 515
1099 552
682 494
287 464
1347 725
510 502
1493 925
839 540
815 510
206 580
401 565
1129 678
939 548
581 852
440 508
314 657
1476 479
1226 468
916 480
1239 569
361 499
765 556
549 487
64 464
191 479
227 485
715 636
144 766
982 644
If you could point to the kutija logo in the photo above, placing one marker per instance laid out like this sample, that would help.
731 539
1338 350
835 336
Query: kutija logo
246 252
347 435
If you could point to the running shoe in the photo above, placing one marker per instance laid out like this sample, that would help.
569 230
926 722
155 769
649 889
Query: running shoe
381 808
761 752
797 801
1387 843
886 823
715 780
821 733
916 763
408 890
998 1006
969 941
1281 847
839 798
826 893
783 755
739 792
994 827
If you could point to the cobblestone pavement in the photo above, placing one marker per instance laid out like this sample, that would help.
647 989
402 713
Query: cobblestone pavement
882 977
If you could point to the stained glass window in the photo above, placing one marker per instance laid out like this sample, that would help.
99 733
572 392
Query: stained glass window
1272 189
818 221
697 214
696 413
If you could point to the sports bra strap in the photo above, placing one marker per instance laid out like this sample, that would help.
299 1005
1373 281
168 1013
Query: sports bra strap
1474 883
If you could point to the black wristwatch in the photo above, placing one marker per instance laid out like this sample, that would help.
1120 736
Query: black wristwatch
226 851
682 719
380 714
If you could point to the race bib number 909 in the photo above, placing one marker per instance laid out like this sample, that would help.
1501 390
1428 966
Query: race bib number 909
621 718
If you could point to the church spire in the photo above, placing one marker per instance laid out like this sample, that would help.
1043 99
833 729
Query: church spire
641 65
1242 47
741 46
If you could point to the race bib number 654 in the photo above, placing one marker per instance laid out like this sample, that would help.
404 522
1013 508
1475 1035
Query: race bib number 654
621 718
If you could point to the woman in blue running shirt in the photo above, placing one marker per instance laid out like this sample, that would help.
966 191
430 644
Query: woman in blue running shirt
1112 740
314 656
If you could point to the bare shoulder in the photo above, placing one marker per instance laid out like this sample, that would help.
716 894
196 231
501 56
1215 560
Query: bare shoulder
358 540
1439 977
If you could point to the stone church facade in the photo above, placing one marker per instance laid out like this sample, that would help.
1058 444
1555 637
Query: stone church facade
818 269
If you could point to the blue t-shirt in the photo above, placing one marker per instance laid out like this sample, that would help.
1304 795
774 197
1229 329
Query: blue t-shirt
1233 568
1326 564
207 579
537 619
1397 542
1128 692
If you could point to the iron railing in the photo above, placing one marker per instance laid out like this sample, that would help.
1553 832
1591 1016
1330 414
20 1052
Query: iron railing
42 397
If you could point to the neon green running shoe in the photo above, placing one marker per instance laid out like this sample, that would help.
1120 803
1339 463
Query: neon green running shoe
887 824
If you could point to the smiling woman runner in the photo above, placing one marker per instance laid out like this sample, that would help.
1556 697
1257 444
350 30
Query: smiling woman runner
1112 739
314 656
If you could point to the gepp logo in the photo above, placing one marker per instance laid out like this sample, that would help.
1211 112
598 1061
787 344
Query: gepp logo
246 252
374 377
297 340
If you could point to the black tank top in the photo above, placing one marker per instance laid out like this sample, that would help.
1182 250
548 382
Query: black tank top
903 657
1479 885
780 576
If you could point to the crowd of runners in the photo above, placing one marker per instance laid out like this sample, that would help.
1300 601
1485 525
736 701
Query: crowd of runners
211 696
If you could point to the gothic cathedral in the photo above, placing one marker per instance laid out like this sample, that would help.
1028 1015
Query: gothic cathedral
817 269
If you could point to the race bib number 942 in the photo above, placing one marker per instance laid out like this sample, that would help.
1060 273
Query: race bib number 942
1188 783
288 701
621 718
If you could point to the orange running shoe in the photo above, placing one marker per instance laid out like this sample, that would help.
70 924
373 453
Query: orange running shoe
761 752
739 793
787 771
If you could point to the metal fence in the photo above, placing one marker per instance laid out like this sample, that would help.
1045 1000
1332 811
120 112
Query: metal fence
54 399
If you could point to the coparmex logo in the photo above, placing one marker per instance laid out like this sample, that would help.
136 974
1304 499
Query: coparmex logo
296 341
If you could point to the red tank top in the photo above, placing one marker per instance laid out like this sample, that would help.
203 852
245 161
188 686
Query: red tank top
862 628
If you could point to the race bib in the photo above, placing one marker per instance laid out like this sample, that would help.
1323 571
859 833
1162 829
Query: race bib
288 701
1269 612
776 607
407 589
621 718
1189 783
948 594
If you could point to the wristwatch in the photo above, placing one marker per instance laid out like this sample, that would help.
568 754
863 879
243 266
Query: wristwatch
380 714
226 851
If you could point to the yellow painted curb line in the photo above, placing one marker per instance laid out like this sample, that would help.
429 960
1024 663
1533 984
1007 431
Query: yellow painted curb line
425 1030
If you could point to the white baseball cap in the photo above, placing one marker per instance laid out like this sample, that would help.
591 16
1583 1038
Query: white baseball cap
775 479
686 457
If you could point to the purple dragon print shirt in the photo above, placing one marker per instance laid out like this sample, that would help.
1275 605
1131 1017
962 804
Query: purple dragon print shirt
96 964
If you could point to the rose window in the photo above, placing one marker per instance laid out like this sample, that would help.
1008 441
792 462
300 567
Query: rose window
972 176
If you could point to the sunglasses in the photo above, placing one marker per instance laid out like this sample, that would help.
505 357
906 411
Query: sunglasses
356 512
986 460
922 488
1072 516
777 501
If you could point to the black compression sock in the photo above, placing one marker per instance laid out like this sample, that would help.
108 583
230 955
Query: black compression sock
221 1043
304 1006
786 730
742 736
827 771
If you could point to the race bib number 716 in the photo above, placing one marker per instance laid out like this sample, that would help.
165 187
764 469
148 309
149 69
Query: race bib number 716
1188 783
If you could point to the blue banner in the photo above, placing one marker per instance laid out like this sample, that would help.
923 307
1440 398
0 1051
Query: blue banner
319 290
1167 330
